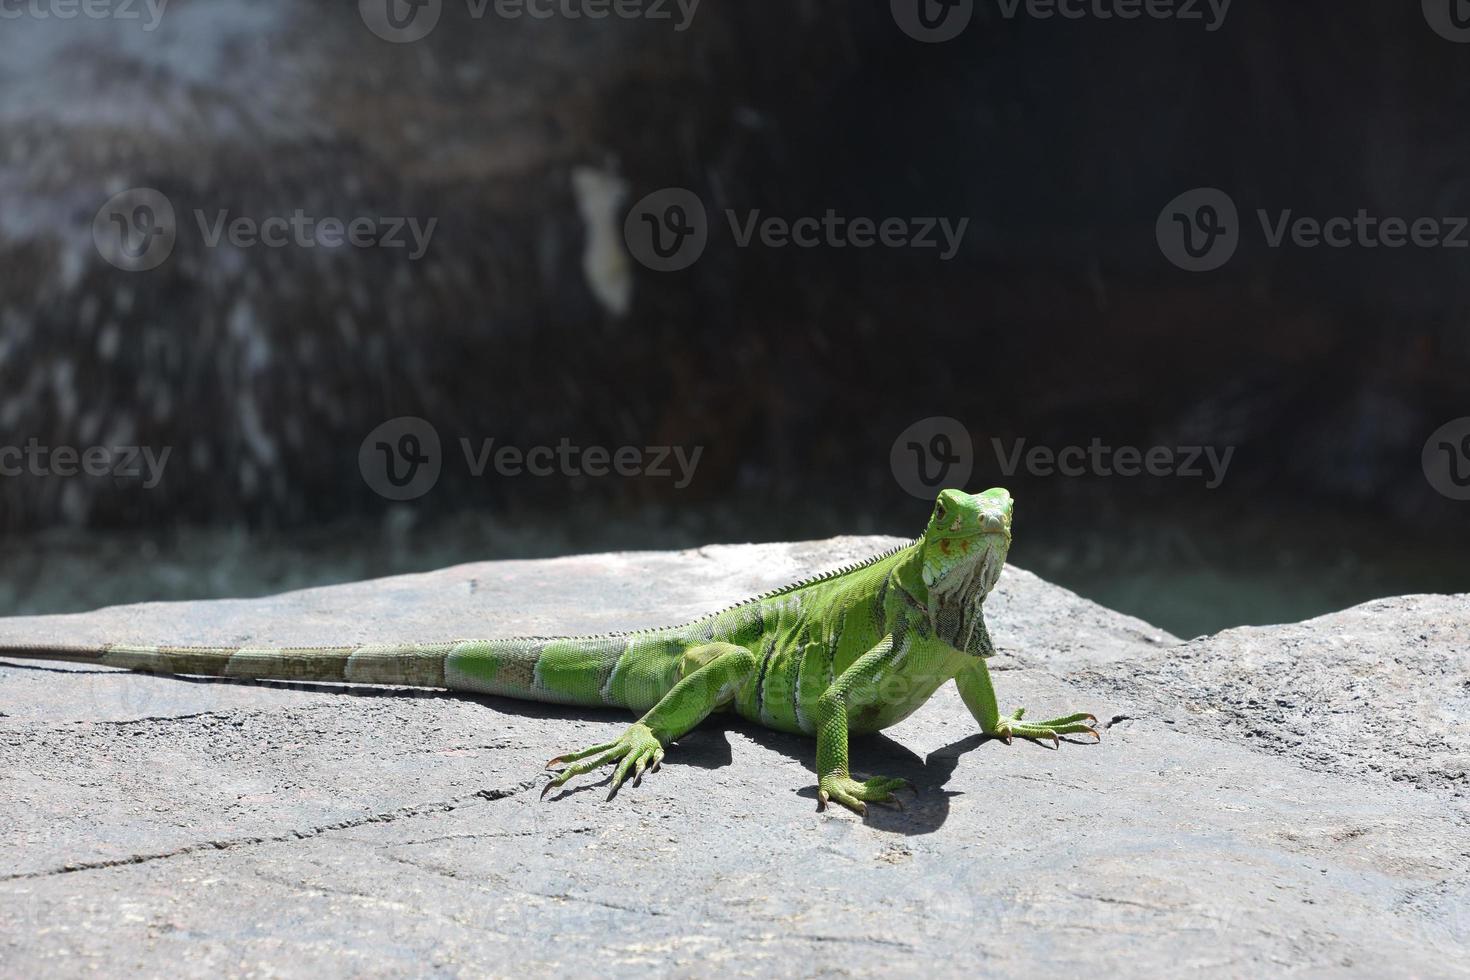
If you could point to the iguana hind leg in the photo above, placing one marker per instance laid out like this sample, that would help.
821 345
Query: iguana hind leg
723 668
979 696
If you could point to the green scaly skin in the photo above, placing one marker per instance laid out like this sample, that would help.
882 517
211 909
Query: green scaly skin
851 651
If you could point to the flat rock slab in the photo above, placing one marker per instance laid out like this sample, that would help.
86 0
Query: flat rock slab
193 827
1381 690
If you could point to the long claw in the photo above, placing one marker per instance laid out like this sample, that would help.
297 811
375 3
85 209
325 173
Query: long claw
635 747
620 774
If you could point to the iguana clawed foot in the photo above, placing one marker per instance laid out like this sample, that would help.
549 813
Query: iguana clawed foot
855 794
638 748
1011 726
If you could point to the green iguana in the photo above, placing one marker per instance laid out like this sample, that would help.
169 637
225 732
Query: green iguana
850 651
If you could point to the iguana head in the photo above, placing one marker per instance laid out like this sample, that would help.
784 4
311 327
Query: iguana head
966 542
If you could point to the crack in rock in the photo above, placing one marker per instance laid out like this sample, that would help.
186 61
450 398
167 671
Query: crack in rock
391 816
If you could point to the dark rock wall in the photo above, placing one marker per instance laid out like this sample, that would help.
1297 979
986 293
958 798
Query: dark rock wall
1058 320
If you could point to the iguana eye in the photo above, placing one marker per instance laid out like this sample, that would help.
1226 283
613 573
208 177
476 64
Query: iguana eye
939 511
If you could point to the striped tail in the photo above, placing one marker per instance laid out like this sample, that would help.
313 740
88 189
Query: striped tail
627 670
407 664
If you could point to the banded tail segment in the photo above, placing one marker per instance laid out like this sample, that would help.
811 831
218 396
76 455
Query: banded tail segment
590 671
630 670
407 664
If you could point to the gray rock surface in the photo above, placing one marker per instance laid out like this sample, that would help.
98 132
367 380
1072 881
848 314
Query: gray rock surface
184 826
1379 690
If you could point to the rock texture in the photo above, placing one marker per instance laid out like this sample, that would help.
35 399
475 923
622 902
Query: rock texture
1264 800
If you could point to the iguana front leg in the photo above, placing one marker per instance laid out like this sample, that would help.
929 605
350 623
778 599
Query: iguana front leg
854 687
725 668
979 696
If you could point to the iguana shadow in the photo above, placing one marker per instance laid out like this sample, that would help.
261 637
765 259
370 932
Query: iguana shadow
924 809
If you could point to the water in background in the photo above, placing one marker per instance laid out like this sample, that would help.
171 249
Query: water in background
1188 573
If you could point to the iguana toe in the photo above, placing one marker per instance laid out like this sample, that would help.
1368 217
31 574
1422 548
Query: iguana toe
856 795
1076 724
634 751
